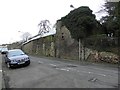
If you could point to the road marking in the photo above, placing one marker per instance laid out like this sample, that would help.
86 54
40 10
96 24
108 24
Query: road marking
72 69
101 74
0 70
68 69
116 71
64 69
40 62
90 72
52 64
94 73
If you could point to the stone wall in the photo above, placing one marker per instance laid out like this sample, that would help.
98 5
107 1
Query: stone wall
28 48
42 46
62 45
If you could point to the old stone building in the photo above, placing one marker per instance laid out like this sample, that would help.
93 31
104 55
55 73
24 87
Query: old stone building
60 45
67 47
43 46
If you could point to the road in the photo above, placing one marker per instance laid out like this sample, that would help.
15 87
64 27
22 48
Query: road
48 73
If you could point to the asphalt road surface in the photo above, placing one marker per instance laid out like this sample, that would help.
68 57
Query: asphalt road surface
48 73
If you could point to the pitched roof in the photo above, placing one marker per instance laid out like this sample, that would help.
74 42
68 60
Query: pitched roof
39 36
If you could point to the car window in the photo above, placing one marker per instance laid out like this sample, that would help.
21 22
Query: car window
0 49
4 49
15 53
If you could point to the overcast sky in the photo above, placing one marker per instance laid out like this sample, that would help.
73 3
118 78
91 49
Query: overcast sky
24 15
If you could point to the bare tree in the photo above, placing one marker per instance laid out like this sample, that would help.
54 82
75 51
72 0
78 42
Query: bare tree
55 25
44 27
26 36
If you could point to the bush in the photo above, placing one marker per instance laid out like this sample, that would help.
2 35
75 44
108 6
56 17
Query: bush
102 43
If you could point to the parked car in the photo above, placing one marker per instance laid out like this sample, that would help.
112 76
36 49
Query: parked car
0 49
4 50
16 57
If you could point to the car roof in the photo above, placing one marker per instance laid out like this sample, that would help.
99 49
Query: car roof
4 49
15 50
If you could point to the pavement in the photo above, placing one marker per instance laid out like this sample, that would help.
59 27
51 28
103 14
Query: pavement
0 72
2 84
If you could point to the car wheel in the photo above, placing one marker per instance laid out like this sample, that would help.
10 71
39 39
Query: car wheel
29 63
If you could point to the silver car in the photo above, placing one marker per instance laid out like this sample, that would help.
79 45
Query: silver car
4 50
16 57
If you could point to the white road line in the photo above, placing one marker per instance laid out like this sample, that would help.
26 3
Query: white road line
72 69
90 72
96 73
116 71
87 72
68 69
40 62
101 74
64 69
0 70
93 73
52 64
